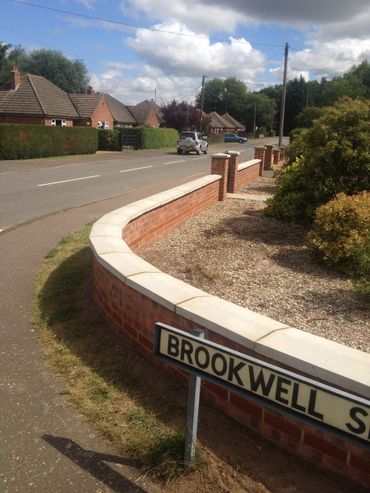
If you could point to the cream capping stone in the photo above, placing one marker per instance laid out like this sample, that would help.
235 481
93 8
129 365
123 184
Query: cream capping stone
335 363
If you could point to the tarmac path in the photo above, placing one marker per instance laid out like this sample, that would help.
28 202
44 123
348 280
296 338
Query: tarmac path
46 445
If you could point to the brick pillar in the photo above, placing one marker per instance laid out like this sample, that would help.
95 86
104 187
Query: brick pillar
276 156
268 156
259 153
220 166
233 170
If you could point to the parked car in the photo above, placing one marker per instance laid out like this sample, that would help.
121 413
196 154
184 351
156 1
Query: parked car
192 141
235 138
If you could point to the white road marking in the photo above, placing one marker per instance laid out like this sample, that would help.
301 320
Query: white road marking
134 169
174 162
67 181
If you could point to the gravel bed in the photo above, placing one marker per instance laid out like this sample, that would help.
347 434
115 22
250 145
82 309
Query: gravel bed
232 250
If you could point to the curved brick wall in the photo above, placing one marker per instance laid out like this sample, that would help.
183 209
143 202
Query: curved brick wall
133 295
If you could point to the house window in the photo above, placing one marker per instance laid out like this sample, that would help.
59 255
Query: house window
103 125
58 123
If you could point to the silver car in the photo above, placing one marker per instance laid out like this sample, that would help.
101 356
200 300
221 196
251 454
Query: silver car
191 141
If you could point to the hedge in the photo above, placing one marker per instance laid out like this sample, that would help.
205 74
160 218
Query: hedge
35 141
109 140
149 138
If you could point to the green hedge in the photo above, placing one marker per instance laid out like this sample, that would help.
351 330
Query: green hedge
35 141
109 140
150 138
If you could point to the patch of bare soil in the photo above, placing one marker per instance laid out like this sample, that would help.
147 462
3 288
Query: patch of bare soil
237 460
234 251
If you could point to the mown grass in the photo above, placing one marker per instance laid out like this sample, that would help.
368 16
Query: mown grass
126 397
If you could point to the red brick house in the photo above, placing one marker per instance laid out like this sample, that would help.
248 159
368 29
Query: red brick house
34 100
235 126
93 110
147 113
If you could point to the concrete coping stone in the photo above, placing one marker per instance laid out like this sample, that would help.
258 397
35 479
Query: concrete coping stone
220 155
247 164
260 147
334 363
233 153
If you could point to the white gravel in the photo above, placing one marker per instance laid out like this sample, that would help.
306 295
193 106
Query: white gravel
232 250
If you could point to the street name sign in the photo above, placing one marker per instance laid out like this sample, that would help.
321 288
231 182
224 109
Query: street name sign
322 405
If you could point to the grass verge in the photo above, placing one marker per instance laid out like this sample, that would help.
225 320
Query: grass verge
114 386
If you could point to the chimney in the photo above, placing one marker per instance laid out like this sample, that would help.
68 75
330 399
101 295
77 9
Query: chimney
90 90
16 78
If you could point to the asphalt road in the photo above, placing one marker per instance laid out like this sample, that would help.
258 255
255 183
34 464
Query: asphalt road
35 188
46 445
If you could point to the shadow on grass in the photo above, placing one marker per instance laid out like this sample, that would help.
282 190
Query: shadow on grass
68 311
67 307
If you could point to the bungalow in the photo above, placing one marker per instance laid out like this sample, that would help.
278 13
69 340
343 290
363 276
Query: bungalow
122 117
217 125
93 110
147 113
34 100
235 125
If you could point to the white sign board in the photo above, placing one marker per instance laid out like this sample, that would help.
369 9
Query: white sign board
305 398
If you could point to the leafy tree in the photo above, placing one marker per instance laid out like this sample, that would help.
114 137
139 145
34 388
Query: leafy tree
69 75
8 57
224 95
306 117
331 157
181 116
260 106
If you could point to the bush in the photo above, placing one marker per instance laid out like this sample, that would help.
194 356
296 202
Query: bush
35 141
341 234
331 157
109 140
149 137
155 138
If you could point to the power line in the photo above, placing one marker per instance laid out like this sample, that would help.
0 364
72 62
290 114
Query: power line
22 34
126 24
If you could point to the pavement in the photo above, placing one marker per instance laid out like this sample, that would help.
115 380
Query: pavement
46 444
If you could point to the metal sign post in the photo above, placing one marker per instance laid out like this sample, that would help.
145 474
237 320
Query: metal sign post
193 411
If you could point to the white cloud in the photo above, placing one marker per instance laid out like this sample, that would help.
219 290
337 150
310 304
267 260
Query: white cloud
198 16
193 57
329 59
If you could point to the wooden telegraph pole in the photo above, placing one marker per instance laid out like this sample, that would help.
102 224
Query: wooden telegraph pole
283 96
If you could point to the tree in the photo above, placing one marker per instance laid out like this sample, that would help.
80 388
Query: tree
305 118
331 157
260 107
224 96
181 116
69 75
9 57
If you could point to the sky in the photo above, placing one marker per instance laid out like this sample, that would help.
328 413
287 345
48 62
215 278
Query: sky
160 49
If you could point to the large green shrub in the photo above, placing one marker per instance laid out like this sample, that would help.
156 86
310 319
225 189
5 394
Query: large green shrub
149 137
35 141
331 157
109 140
155 138
340 236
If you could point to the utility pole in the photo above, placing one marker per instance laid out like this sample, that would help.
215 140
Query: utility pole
155 95
283 96
202 103
254 120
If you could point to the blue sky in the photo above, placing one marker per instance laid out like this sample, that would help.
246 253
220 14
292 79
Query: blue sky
139 55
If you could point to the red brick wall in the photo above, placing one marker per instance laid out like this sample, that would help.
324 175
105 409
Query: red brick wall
150 226
152 119
102 113
245 176
133 315
32 120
